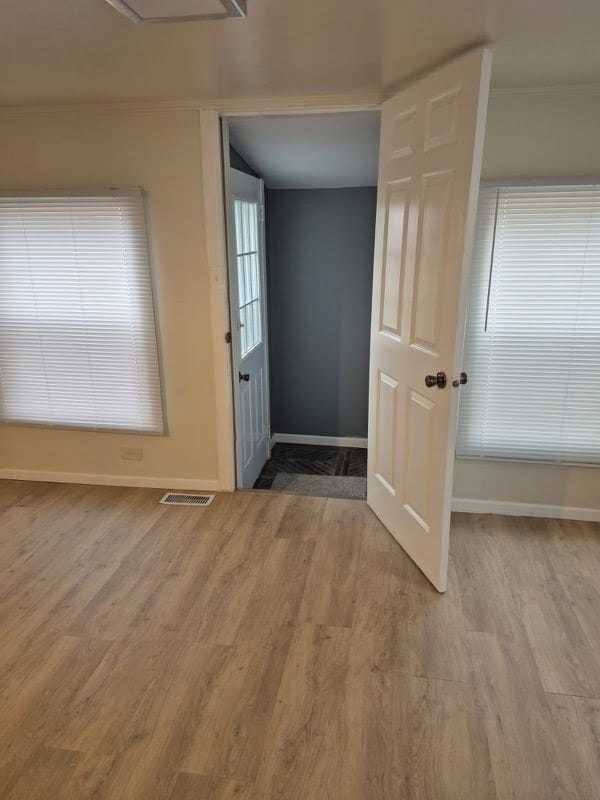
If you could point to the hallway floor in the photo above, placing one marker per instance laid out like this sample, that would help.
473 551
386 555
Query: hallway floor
272 647
316 471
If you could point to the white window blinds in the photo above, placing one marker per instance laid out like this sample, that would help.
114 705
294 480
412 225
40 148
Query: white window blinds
532 347
77 331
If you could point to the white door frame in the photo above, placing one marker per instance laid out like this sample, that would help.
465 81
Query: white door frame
215 167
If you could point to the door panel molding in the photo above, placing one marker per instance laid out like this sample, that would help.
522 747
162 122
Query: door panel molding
431 144
428 285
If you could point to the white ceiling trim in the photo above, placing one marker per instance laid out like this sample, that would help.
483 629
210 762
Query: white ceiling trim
369 100
580 89
307 104
311 103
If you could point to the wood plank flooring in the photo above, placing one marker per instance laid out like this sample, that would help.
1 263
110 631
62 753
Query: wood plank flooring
275 647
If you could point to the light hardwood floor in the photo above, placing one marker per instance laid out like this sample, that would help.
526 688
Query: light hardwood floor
278 647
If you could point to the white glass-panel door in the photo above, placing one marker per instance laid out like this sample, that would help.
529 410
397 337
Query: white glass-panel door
249 328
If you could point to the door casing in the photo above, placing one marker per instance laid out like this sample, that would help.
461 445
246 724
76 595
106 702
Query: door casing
298 107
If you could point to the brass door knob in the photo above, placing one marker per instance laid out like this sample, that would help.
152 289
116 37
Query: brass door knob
439 380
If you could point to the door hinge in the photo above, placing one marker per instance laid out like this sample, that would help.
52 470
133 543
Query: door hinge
228 337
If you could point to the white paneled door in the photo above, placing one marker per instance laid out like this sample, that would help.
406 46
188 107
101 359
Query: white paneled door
249 326
430 161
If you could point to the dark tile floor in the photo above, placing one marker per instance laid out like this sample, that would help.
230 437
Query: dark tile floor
307 459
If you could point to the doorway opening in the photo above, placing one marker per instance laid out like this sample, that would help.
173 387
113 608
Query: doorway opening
302 197
428 174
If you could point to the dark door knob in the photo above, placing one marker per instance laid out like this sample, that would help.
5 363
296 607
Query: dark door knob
439 380
244 376
461 380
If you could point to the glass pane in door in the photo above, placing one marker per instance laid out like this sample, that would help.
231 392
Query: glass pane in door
248 274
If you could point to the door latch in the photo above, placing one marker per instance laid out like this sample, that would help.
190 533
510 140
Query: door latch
461 380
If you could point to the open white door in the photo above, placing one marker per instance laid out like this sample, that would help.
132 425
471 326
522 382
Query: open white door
247 292
430 161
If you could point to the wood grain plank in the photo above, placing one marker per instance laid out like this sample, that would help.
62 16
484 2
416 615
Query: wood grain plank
272 646
221 599
526 752
200 787
330 594
304 755
577 721
45 775
234 725
302 518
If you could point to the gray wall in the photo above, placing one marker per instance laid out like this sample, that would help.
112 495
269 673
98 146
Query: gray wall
320 265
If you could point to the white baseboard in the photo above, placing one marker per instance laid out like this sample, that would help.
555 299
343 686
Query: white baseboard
329 441
471 506
97 479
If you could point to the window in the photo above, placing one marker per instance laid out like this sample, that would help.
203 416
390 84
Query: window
532 347
246 238
77 332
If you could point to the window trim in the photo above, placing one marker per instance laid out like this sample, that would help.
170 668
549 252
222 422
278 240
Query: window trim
111 191
499 183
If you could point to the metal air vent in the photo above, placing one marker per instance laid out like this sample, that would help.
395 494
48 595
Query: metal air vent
179 10
181 499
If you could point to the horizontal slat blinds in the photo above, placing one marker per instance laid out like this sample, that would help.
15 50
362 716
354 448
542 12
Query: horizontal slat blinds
77 331
532 347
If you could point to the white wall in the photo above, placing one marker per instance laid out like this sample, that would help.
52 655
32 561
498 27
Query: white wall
543 134
553 133
161 152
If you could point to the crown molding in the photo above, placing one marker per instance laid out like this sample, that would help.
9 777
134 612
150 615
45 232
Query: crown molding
553 90
310 103
106 107
369 99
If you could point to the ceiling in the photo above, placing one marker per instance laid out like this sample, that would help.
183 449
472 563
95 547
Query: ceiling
311 151
84 50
